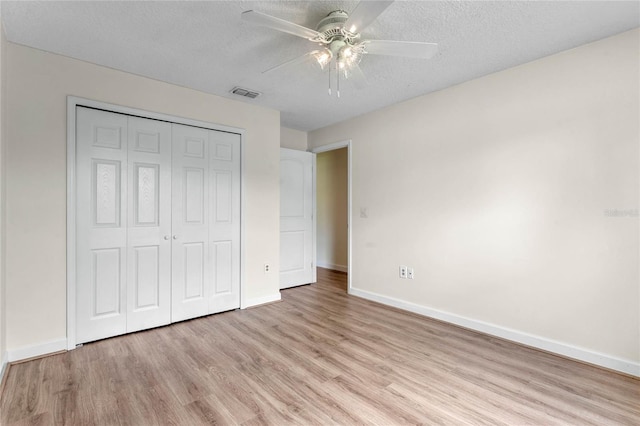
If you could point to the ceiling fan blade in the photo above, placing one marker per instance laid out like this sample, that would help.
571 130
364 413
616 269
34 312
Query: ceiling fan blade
364 14
294 61
269 21
409 49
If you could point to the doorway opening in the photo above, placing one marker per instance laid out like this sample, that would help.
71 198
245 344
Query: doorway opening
333 212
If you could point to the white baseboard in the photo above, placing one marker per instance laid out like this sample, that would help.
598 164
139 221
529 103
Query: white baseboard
332 266
45 348
255 301
564 349
3 367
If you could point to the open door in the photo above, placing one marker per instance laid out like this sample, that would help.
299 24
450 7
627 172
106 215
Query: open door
297 219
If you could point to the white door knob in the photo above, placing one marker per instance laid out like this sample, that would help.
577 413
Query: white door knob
166 237
175 237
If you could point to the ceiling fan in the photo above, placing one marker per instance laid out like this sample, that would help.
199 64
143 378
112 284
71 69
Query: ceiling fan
340 46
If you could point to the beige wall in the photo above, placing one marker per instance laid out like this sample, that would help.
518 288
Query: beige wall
293 139
332 209
496 191
36 178
3 310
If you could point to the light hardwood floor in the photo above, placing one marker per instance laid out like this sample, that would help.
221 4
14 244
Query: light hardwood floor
317 357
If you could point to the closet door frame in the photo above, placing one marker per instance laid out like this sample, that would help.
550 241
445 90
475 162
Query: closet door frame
72 103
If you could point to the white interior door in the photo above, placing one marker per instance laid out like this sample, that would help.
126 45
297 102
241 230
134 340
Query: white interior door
191 266
297 262
102 224
149 224
224 233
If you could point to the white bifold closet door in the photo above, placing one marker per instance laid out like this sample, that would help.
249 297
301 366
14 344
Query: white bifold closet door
206 200
158 223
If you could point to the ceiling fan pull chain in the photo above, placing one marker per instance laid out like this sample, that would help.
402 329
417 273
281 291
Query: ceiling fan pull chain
337 79
329 79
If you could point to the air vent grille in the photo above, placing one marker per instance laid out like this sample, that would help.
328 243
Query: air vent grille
245 92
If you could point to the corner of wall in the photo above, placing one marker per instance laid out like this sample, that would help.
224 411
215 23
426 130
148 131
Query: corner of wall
3 333
293 139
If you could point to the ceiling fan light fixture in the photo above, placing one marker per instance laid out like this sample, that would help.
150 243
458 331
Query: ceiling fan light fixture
323 57
349 56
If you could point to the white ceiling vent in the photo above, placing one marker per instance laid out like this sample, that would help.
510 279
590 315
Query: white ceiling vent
245 92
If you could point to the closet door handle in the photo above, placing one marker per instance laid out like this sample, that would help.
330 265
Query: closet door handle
166 237
175 237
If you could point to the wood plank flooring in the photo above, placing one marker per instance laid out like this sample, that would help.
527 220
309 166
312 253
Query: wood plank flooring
318 357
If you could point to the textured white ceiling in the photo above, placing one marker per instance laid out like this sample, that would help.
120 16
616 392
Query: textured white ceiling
206 46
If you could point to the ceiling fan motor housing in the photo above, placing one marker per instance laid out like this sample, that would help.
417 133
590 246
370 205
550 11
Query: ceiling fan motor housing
337 39
331 28
334 20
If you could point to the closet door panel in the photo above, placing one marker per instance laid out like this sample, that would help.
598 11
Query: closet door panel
191 264
149 224
101 214
225 221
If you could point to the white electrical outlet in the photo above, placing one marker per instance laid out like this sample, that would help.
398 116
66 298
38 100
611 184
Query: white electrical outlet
410 273
267 268
403 271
